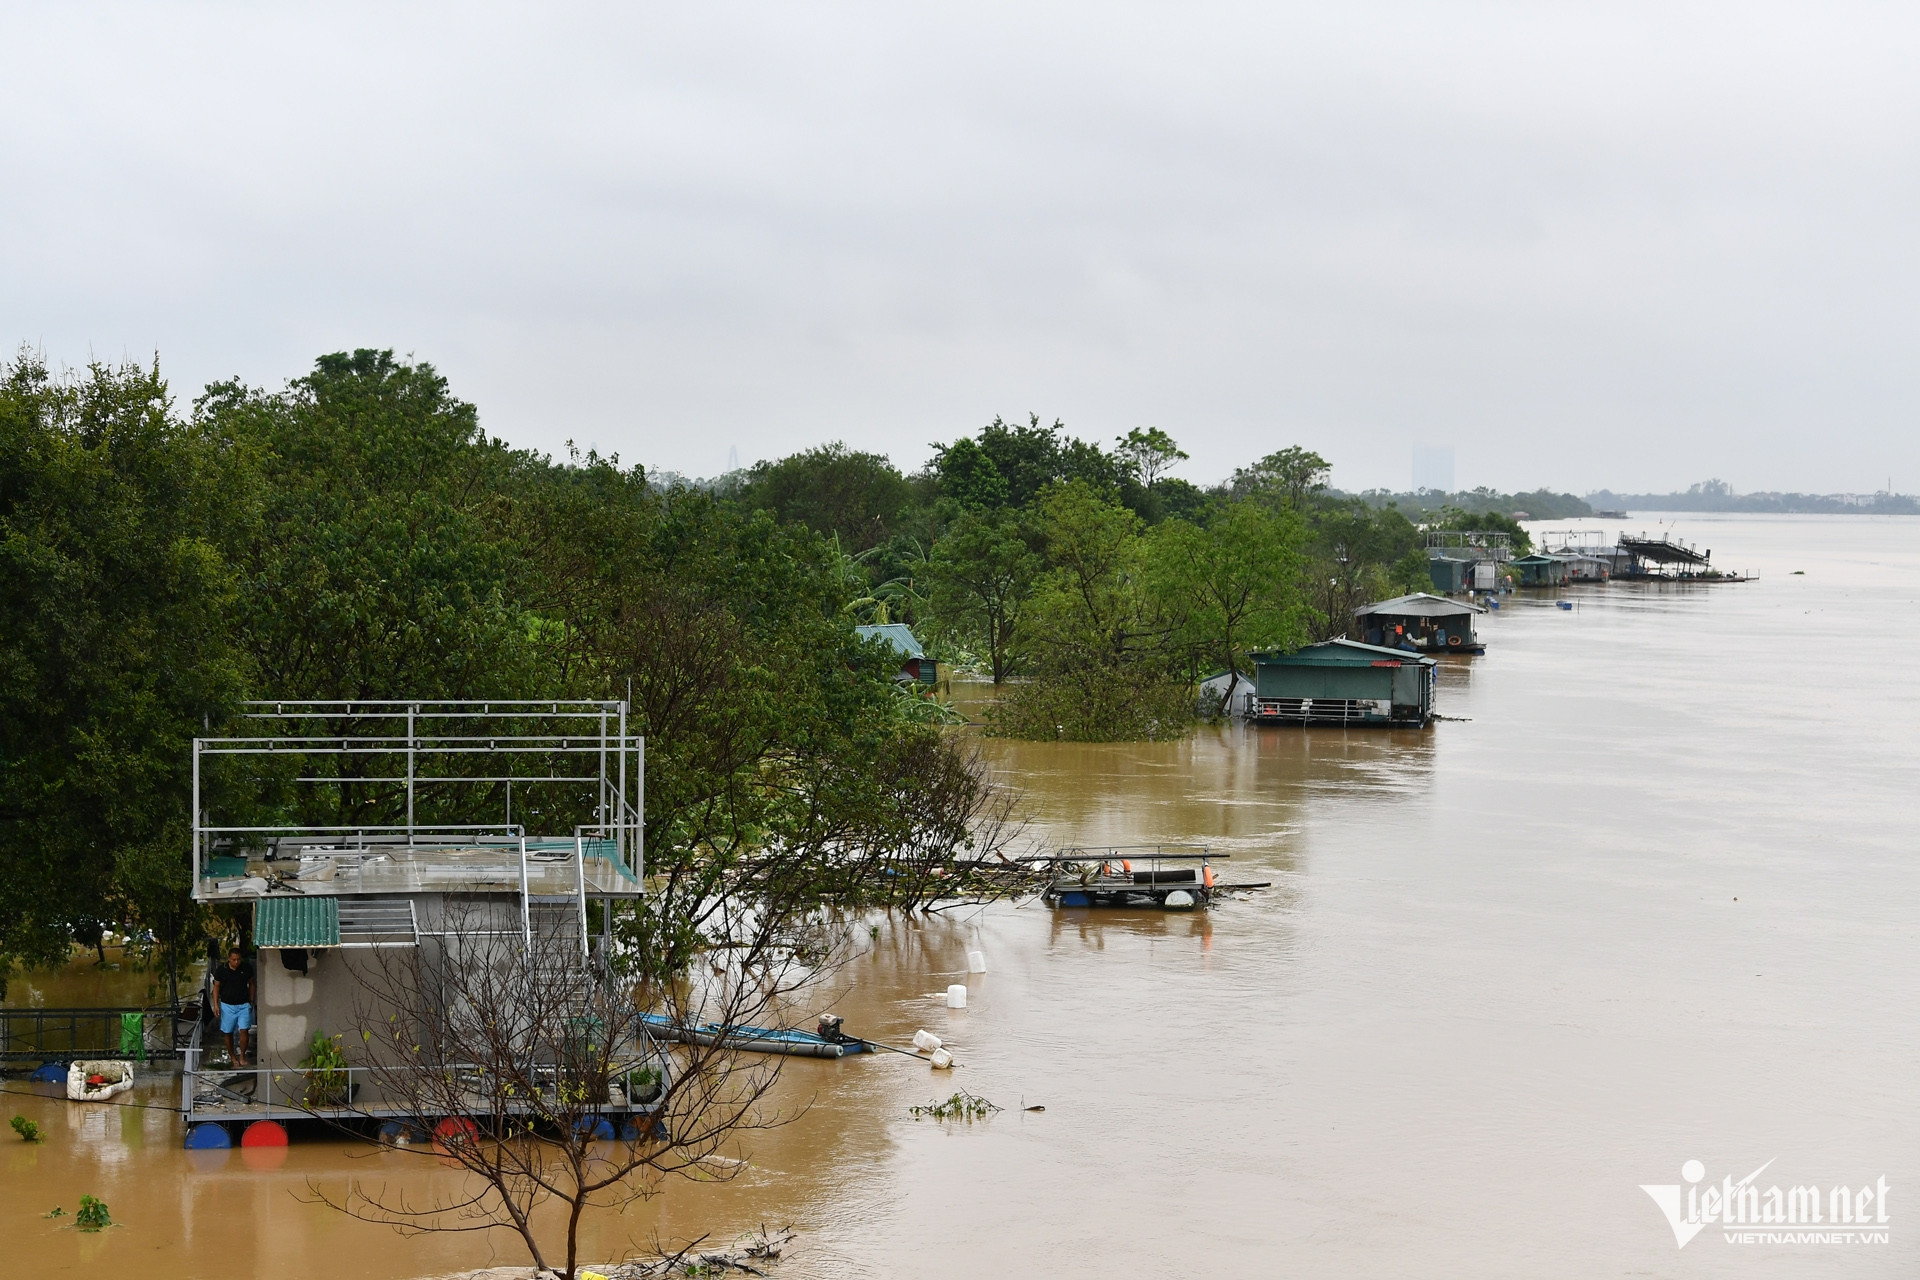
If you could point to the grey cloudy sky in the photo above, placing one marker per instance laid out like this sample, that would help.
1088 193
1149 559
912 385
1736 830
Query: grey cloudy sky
1622 245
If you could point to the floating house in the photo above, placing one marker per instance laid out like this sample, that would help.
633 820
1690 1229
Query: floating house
390 856
1452 576
1422 622
1584 568
1589 555
1342 682
1460 562
1540 571
915 666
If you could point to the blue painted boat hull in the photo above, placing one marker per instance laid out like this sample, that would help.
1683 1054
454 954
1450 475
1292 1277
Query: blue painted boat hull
803 1044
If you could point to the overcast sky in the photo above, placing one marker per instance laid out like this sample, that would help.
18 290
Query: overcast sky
1615 245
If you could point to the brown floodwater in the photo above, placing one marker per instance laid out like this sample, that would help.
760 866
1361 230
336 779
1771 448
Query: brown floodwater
1651 898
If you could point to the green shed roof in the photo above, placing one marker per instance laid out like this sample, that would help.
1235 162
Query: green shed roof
1421 604
1344 653
296 922
897 634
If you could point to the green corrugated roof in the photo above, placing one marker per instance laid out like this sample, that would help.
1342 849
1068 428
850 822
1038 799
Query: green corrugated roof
1342 653
296 922
897 634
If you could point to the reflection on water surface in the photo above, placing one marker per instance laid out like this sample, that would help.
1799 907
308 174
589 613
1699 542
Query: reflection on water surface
1651 897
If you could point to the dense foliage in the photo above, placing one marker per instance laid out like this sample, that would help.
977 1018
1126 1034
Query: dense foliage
118 643
356 534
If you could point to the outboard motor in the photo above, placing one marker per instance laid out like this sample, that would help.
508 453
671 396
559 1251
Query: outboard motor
829 1029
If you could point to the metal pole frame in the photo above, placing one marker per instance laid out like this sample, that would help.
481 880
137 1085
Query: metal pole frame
411 711
197 817
619 819
526 904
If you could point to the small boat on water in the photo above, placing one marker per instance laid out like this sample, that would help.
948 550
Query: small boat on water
1163 876
827 1042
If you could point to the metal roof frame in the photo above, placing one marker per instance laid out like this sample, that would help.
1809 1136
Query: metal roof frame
577 742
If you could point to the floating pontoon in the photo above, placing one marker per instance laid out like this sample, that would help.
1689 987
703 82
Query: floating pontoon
1170 877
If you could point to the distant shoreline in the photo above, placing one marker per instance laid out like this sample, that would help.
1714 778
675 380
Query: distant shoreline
1639 513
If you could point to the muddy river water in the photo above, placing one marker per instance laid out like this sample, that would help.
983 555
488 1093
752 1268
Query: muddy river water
1653 897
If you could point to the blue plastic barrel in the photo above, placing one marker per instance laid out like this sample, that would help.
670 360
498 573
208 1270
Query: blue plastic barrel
207 1136
49 1073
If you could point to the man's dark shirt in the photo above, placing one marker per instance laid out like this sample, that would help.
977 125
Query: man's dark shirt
233 983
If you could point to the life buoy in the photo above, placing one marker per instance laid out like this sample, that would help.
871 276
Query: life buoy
1206 876
1453 642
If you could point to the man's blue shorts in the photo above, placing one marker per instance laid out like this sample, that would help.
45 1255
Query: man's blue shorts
235 1017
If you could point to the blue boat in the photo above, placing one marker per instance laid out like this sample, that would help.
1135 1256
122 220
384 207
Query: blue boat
827 1042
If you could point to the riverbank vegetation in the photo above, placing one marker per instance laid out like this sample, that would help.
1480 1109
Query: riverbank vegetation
357 534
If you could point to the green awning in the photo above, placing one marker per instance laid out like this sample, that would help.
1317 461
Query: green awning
296 922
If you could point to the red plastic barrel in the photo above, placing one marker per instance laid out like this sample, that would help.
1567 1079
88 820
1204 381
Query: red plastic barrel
455 1130
264 1133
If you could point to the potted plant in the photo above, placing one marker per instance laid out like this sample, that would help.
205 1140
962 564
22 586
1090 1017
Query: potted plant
326 1069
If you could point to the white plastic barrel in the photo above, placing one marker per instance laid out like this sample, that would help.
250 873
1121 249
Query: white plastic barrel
957 996
925 1041
1179 898
941 1060
976 962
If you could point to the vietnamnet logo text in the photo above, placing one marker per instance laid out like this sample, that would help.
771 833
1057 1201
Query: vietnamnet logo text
1793 1215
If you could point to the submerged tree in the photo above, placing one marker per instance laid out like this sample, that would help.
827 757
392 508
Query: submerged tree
1234 585
536 1069
982 573
1098 636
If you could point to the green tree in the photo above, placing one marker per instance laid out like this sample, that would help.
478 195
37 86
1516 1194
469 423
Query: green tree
115 604
1148 453
1100 648
857 497
376 567
969 476
1355 556
1009 464
982 572
1028 457
1293 477
1234 585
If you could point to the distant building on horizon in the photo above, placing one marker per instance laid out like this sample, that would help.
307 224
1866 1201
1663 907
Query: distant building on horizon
1433 467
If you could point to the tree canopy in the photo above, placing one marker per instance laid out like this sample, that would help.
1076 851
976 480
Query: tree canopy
357 534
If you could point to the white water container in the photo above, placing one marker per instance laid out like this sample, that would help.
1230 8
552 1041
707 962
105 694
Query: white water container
976 962
1178 900
957 996
925 1041
942 1060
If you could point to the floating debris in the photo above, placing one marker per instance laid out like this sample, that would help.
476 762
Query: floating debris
745 1255
961 1106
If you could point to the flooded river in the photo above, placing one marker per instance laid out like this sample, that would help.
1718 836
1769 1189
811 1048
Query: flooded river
1653 897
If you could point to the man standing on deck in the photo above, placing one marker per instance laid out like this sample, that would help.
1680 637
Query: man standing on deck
233 987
